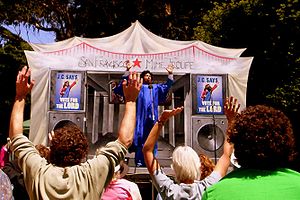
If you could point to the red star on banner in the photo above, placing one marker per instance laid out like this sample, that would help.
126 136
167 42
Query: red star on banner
137 63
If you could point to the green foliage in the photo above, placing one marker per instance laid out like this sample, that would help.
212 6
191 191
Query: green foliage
270 32
287 95
212 23
90 19
11 59
101 18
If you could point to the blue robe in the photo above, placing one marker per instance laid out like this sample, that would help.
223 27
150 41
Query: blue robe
144 114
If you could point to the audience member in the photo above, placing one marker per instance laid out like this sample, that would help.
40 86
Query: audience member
65 177
263 146
15 174
5 187
150 97
206 168
121 188
186 166
4 153
68 145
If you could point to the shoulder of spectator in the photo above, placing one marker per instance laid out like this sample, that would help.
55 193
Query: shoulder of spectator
16 137
112 144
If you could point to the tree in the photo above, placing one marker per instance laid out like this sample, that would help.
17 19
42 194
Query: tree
270 31
88 18
100 18
11 58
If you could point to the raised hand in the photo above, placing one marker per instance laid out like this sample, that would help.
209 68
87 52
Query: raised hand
132 86
170 68
231 108
167 114
148 148
22 86
128 65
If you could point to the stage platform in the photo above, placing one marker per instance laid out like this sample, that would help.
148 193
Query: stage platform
164 152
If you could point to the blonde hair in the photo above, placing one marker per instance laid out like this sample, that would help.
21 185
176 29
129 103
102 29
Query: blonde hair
186 164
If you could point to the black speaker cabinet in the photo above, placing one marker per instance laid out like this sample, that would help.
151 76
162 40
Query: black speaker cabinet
75 117
208 135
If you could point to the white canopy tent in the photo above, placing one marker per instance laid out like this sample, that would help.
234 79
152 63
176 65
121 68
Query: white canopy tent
137 44
136 40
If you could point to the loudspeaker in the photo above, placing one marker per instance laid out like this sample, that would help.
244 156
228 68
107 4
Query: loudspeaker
76 117
208 135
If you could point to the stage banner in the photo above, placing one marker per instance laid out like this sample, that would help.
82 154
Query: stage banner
66 90
210 94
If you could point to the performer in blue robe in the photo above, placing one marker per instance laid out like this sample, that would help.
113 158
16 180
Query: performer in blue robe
150 96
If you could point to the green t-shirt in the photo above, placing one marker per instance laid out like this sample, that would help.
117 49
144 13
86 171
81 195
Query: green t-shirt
256 184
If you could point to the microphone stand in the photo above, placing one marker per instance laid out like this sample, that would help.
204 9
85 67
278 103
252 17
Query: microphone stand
214 129
150 86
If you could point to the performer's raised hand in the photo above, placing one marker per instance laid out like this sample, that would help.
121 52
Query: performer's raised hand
128 65
132 86
170 68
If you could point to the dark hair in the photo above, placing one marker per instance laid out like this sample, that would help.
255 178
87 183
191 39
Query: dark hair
146 72
263 138
207 87
68 146
65 83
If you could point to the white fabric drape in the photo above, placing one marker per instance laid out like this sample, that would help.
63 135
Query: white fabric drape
109 53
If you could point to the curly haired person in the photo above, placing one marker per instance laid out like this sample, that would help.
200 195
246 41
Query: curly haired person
263 146
68 145
66 176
